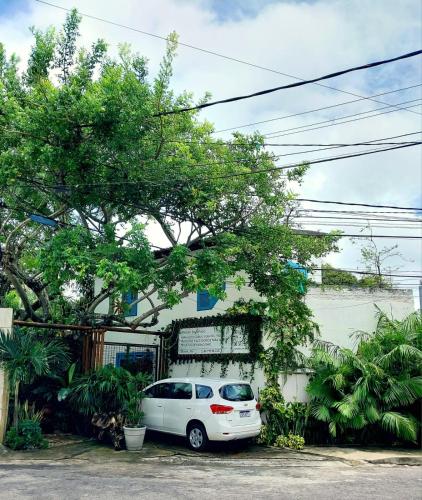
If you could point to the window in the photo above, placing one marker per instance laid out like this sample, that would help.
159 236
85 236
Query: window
136 361
179 390
157 391
128 298
236 392
203 392
205 301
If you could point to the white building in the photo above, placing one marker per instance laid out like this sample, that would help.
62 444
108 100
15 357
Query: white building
339 313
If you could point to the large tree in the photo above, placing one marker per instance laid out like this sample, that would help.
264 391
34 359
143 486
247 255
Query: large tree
83 141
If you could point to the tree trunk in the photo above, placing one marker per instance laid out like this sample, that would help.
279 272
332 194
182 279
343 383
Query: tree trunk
16 406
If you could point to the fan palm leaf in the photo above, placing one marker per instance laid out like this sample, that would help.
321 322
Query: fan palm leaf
400 425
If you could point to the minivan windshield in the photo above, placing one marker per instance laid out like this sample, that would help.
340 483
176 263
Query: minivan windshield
236 392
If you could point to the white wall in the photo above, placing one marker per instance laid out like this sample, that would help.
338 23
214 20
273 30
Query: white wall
6 318
339 313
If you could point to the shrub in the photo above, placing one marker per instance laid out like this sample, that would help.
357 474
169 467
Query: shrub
281 418
105 390
292 441
109 396
27 435
371 395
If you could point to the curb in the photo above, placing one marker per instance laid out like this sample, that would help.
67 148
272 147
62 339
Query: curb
412 461
394 460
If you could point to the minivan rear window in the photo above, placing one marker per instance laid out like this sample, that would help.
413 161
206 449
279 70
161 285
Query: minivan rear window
236 392
203 392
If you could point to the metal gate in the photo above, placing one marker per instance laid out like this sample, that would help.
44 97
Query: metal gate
133 357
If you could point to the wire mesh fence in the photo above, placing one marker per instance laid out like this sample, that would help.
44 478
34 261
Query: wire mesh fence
133 357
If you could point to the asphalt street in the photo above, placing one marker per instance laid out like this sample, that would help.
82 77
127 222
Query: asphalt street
201 478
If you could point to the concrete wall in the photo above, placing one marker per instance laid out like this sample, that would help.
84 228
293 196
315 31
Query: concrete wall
341 312
6 318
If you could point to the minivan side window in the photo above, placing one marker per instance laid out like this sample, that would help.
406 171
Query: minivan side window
179 390
203 392
157 391
236 392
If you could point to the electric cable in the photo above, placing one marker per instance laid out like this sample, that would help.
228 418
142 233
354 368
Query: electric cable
217 54
289 86
315 110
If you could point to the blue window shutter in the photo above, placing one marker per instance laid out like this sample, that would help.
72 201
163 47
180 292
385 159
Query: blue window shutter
128 298
302 270
205 301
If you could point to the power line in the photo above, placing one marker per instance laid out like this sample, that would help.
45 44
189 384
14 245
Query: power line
356 212
321 160
312 162
362 217
217 54
330 122
290 85
369 273
336 147
395 207
314 110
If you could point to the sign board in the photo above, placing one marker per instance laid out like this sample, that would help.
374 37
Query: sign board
207 340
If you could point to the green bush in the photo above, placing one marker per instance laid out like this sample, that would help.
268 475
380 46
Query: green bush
109 397
292 441
371 395
281 418
26 436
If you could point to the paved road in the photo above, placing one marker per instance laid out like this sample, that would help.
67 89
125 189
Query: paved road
203 478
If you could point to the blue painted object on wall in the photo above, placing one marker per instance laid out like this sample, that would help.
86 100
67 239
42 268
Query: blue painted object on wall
205 301
128 298
302 270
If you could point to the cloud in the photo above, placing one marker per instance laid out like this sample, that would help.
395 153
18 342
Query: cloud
302 39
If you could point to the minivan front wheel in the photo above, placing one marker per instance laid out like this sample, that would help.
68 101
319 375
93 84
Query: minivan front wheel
197 437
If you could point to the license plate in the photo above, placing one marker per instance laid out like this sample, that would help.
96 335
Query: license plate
244 413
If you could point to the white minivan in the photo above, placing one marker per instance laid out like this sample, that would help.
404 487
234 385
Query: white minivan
202 409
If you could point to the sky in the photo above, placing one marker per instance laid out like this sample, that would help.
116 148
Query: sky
300 38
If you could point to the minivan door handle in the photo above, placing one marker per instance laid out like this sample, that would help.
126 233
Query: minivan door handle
188 408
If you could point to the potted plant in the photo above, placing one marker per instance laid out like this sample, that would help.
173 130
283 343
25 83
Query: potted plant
133 429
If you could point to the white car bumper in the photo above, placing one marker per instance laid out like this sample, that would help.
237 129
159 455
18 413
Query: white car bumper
233 433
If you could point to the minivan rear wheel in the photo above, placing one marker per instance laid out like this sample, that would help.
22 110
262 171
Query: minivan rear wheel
197 437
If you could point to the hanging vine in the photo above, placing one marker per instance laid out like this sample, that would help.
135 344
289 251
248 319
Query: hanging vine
229 325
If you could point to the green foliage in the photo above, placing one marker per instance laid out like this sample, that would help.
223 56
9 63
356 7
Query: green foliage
332 276
371 391
105 390
24 355
281 418
292 441
249 325
26 436
132 410
83 146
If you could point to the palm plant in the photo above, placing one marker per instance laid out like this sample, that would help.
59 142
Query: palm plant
375 386
24 356
105 390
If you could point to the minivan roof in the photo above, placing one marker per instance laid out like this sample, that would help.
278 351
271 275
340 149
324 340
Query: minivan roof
204 380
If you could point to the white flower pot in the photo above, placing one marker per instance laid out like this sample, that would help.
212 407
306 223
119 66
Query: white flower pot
134 437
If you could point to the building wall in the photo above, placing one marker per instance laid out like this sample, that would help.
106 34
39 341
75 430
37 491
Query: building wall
342 312
6 317
339 313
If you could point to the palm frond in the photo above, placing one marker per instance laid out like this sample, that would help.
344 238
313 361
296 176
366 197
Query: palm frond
403 392
320 412
400 425
403 354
